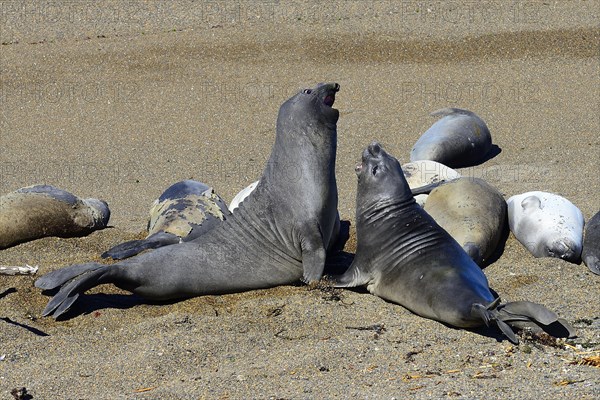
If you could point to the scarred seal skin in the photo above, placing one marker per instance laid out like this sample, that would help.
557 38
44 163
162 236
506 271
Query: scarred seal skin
459 139
591 244
547 224
185 211
277 236
405 257
39 211
473 212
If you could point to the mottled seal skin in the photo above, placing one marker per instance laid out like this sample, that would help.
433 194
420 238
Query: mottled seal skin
39 211
591 244
245 192
547 224
473 212
185 211
277 236
459 139
405 257
426 172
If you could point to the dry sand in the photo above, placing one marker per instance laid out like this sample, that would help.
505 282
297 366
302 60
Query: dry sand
119 100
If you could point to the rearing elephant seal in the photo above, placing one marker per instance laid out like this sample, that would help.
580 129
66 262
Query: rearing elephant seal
459 139
185 211
405 257
39 211
277 236
472 212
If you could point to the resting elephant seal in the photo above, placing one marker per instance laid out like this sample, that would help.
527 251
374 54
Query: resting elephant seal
185 211
459 139
472 212
39 211
277 236
426 172
591 244
405 257
547 224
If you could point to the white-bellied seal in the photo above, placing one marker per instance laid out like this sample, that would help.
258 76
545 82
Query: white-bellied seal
591 244
405 257
245 192
277 236
185 211
472 212
426 172
459 139
39 211
547 224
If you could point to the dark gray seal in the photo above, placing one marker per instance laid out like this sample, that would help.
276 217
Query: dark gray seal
184 212
459 139
591 244
39 211
405 257
277 236
473 212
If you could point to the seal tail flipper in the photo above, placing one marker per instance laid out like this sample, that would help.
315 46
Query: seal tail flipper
57 278
69 293
523 314
133 247
442 112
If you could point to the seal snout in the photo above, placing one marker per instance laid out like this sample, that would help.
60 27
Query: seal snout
375 149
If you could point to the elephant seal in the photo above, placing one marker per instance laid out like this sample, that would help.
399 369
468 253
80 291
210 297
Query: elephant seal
39 211
591 244
405 257
277 236
472 212
459 139
426 172
547 224
185 211
245 192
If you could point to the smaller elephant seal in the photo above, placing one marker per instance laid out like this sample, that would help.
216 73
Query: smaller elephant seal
426 172
241 196
39 211
405 257
277 236
459 139
547 224
472 212
185 211
591 244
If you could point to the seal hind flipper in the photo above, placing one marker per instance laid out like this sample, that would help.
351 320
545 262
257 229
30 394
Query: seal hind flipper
528 309
133 247
70 292
57 278
489 314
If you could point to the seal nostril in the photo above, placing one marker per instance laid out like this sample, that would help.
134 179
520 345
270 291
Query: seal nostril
336 87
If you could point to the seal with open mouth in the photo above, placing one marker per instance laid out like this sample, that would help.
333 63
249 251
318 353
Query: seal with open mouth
277 236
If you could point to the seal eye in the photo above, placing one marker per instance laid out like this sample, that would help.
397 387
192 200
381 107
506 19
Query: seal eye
375 169
307 91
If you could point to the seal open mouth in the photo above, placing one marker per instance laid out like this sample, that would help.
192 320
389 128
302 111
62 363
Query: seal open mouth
330 97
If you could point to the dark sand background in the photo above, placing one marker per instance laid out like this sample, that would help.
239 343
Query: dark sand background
118 100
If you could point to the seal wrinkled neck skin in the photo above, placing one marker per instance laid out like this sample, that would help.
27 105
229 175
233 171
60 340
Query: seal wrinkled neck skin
381 185
307 135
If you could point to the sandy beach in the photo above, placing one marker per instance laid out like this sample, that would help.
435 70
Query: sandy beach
118 100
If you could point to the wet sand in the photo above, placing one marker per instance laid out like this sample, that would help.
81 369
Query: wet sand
118 103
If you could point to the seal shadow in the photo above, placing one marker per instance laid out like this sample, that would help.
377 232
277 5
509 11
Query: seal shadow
494 151
7 292
31 329
100 301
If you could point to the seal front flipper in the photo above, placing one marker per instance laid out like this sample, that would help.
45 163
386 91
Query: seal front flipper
133 247
353 277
